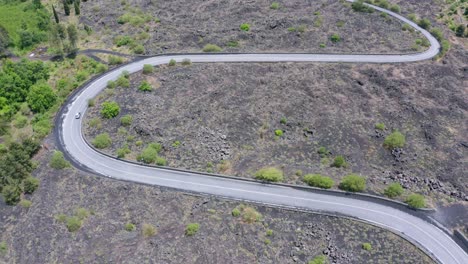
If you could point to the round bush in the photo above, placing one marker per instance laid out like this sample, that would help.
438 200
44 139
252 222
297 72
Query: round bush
102 141
395 140
339 162
192 229
110 109
245 27
317 180
126 120
269 174
30 184
393 190
353 183
416 201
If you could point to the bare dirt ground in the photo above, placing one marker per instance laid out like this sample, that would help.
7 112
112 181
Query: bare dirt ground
225 115
35 236
187 26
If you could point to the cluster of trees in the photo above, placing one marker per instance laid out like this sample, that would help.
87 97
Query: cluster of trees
63 39
15 170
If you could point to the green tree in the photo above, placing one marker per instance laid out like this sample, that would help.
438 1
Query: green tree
76 5
56 17
41 97
353 183
11 194
30 184
424 23
110 109
416 201
460 30
393 190
269 174
5 42
66 7
72 37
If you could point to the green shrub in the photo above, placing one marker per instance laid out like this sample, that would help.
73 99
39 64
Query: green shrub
437 33
212 48
121 152
111 84
138 49
177 144
339 162
283 120
192 229
25 203
101 68
114 60
267 241
317 180
235 212
393 190
102 141
129 227
269 232
150 154
416 201
58 161
3 248
110 109
359 6
82 213
269 174
186 62
30 184
148 230
160 161
395 8
95 123
123 81
148 68
395 140
412 17
380 126
353 183
41 98
20 121
172 62
407 27
126 120
61 218
275 5
123 41
73 223
335 38
145 87
278 132
11 194
233 44
245 27
367 246
322 45
424 23
91 102
318 260
323 151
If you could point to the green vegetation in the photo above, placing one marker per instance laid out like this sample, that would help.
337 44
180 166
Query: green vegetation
58 161
380 126
367 246
3 248
269 232
212 48
150 155
245 27
177 144
145 87
233 44
360 6
322 259
41 97
339 162
25 203
395 8
416 201
129 227
275 5
323 151
186 62
148 68
424 23
279 132
114 60
136 18
172 62
248 214
317 180
74 222
121 152
123 81
393 190
269 174
192 229
335 38
110 109
102 141
236 212
353 183
148 230
126 120
395 140
283 120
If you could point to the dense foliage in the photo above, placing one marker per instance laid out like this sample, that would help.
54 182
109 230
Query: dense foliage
269 174
353 183
320 181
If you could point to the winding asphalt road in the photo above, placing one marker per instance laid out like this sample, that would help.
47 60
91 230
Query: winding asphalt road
427 236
